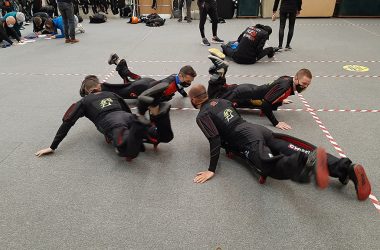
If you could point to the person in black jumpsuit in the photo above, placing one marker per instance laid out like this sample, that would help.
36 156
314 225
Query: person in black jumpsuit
113 118
153 91
267 97
249 48
289 9
270 154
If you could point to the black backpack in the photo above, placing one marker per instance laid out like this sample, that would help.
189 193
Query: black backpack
98 18
154 20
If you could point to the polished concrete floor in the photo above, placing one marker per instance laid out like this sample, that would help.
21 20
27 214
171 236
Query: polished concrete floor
85 197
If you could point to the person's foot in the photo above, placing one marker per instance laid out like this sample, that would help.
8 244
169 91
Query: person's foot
113 59
316 164
279 48
74 41
188 20
80 28
358 176
179 19
271 54
67 40
216 52
288 47
219 66
276 49
205 42
216 39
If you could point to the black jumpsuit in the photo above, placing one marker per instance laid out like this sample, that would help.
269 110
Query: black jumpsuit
267 97
113 118
271 154
251 46
162 90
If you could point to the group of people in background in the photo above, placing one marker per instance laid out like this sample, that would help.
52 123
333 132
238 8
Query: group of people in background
44 23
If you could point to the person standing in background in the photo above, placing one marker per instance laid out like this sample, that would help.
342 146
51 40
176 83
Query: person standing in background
208 7
66 8
188 10
288 9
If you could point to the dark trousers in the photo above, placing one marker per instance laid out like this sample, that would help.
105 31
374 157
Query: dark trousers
281 159
128 139
188 7
124 72
4 35
292 21
227 50
161 131
211 10
67 12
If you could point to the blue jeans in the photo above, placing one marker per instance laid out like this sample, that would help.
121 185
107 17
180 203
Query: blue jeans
67 12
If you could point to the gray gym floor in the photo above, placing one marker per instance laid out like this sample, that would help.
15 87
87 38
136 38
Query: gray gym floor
85 197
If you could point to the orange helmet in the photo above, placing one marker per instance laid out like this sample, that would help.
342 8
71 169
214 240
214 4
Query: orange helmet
134 20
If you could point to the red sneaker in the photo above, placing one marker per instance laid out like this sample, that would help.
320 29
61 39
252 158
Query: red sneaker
357 174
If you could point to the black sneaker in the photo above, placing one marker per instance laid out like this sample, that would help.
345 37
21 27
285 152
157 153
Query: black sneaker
188 20
220 65
216 40
205 42
113 59
279 48
288 47
179 19
316 164
358 176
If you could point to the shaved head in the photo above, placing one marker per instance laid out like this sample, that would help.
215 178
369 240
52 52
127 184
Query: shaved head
198 94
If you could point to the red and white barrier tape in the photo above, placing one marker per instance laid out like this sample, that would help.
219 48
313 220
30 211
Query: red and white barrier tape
373 199
263 61
109 75
277 76
300 110
163 75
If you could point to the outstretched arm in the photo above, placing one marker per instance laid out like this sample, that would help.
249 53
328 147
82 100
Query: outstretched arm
71 116
209 129
272 99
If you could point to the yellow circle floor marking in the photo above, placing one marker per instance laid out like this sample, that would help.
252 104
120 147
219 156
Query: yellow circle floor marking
356 68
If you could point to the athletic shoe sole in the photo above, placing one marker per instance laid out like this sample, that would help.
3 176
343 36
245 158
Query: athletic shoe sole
204 44
322 171
110 60
217 53
215 42
363 187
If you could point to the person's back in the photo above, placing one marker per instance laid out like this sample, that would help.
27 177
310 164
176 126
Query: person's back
229 123
20 18
98 107
283 83
39 20
251 42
